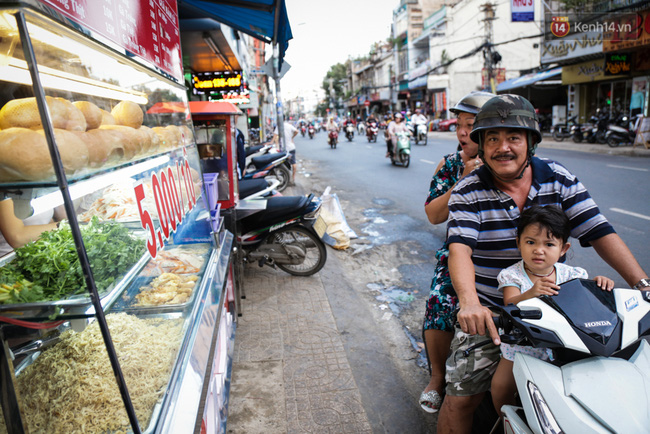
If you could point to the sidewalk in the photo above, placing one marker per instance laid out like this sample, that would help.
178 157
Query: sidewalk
570 145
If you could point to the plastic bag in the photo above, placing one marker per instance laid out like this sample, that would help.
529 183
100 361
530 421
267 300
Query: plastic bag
338 233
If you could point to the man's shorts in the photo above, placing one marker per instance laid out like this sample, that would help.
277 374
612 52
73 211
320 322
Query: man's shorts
471 374
292 157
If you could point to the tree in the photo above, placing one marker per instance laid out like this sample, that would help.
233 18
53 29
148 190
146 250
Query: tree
337 74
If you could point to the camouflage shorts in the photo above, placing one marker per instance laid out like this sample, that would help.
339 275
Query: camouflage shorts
472 374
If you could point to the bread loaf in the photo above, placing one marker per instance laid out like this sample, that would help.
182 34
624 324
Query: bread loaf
107 118
75 117
128 113
165 137
25 156
23 113
152 141
105 146
91 112
188 137
131 140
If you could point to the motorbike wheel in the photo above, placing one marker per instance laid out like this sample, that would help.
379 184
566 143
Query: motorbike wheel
283 175
406 160
313 248
577 138
425 139
557 135
613 142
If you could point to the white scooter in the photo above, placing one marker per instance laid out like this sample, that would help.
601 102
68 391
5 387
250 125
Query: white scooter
594 385
421 134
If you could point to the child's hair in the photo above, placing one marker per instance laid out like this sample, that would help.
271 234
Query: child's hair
549 217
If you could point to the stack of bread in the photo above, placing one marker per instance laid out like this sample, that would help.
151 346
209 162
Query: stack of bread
86 136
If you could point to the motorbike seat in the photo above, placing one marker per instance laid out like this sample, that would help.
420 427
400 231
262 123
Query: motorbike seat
253 149
251 186
277 209
264 160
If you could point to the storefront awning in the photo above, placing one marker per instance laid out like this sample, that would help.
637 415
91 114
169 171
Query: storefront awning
254 17
528 79
214 108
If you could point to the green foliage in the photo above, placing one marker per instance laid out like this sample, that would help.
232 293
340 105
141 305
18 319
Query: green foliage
50 265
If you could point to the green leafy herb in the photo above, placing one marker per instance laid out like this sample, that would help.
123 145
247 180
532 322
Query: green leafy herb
51 263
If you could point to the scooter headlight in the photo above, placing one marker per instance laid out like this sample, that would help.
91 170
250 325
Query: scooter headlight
543 412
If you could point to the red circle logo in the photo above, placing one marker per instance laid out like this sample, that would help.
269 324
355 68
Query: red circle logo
560 26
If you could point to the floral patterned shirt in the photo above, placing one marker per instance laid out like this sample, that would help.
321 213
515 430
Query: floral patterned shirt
443 181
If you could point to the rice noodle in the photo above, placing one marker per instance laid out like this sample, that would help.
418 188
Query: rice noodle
71 387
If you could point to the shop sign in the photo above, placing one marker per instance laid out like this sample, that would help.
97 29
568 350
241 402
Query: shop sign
580 45
146 28
631 30
618 64
206 82
593 70
174 195
374 96
522 10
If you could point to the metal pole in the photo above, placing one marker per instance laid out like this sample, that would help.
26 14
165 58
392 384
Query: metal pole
62 181
276 77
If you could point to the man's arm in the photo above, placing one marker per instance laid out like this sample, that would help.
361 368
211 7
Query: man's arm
14 230
472 316
618 256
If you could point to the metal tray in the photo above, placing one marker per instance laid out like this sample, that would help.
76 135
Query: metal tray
77 306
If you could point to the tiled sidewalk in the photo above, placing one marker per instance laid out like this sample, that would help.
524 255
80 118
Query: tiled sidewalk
290 370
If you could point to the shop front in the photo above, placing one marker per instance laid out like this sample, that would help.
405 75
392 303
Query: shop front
438 90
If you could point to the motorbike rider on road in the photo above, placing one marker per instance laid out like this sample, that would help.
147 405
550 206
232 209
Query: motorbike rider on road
488 201
395 127
418 119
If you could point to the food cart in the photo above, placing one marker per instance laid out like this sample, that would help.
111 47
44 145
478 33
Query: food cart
121 319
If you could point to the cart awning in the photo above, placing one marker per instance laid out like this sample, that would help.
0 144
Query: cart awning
214 108
254 17
527 79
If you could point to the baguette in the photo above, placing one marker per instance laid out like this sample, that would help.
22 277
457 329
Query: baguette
105 146
128 113
25 156
131 140
91 112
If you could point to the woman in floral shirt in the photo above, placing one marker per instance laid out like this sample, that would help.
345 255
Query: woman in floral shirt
440 312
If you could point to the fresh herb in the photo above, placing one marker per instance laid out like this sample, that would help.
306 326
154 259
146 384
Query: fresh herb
51 263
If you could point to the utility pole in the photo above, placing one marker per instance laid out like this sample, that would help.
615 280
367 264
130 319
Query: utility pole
489 56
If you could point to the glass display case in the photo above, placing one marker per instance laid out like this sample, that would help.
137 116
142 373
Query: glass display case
108 322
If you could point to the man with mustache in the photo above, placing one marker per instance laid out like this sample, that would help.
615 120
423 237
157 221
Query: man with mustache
484 210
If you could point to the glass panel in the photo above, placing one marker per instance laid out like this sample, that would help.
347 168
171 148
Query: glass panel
106 111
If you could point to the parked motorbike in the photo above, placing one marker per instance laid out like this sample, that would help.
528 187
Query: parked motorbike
420 134
333 138
311 131
402 154
566 130
600 378
284 235
270 165
349 132
372 131
258 188
623 132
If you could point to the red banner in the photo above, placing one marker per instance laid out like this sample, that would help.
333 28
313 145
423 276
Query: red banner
146 28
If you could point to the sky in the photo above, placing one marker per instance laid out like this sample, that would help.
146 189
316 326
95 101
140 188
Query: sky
326 33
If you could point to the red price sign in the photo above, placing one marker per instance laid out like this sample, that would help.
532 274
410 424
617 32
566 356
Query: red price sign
170 203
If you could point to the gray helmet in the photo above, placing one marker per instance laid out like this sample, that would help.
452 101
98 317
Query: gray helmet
472 102
507 111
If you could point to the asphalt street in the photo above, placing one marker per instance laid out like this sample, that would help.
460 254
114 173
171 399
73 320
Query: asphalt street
360 173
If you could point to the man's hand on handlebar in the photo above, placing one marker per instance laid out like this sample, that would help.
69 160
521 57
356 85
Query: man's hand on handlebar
475 319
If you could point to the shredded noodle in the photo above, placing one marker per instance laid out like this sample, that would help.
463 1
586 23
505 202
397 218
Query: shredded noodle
71 388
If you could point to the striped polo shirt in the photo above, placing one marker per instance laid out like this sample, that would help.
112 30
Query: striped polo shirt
484 218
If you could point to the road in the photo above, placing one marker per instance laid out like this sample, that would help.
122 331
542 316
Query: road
360 173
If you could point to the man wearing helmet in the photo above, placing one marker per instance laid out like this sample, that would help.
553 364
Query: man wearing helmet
484 209
439 317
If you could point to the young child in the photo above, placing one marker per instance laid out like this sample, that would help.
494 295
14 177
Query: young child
542 235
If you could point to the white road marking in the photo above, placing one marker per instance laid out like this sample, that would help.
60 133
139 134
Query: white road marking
630 213
428 162
627 168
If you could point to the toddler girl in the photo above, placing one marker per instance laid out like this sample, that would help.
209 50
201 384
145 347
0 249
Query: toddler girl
542 235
